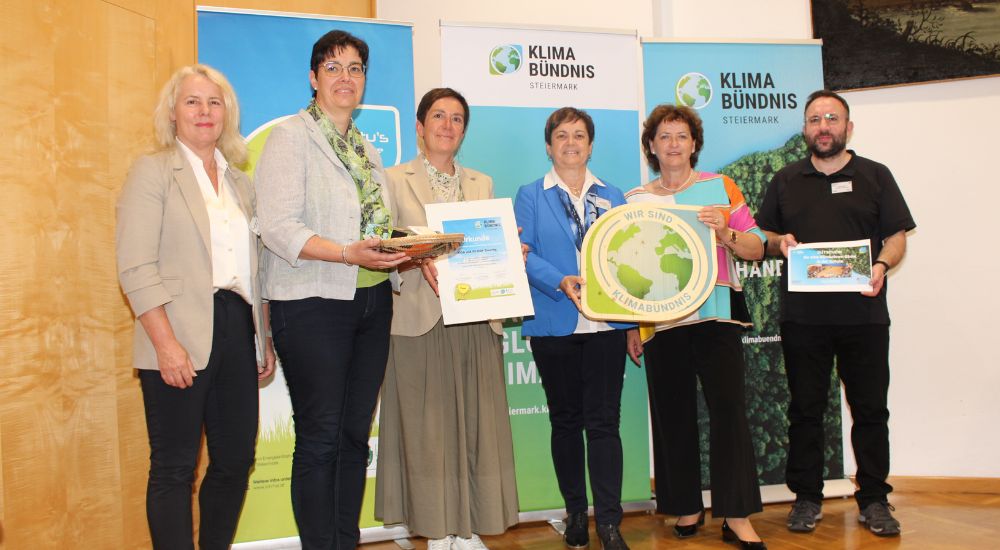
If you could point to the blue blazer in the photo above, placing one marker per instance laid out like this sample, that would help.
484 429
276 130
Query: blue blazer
546 230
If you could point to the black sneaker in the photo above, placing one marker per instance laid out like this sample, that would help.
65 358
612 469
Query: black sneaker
879 520
804 515
611 537
575 535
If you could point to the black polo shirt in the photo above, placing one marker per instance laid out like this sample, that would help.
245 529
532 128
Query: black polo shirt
801 200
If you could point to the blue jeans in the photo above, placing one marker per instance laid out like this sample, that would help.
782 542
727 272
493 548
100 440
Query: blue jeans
333 353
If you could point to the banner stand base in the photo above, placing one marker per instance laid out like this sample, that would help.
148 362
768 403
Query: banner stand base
769 494
405 544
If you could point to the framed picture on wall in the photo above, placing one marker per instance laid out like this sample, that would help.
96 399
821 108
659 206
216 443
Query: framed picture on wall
868 43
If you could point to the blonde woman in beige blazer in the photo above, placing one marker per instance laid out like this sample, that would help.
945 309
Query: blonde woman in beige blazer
446 462
187 262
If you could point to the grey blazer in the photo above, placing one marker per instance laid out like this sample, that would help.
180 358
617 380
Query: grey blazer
303 190
416 309
164 253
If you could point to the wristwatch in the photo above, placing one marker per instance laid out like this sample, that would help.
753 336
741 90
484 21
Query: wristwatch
884 264
733 235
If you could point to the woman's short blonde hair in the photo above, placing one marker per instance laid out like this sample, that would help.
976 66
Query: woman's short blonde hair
231 143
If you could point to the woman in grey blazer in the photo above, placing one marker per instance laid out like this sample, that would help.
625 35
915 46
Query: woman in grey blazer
187 261
324 208
446 459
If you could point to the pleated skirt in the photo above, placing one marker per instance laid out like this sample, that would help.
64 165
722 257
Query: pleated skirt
445 456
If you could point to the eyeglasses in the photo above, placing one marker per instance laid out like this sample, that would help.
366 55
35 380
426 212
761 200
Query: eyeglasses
831 118
335 69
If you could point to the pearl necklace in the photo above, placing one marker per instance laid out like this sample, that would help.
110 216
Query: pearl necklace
687 182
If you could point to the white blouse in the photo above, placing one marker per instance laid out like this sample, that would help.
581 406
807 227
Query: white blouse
230 234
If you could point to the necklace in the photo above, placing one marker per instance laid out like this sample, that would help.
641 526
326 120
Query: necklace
670 191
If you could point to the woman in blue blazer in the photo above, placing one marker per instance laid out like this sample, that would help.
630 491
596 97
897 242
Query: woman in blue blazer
582 362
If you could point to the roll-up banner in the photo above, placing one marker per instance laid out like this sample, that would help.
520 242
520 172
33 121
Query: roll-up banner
750 97
513 78
266 55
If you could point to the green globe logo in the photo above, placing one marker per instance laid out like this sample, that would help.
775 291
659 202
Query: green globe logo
505 59
650 260
694 90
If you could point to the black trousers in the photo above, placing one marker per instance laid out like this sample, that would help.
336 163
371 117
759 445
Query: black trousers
712 352
862 357
582 375
224 400
333 353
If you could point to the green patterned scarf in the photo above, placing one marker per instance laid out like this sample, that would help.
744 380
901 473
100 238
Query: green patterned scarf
350 149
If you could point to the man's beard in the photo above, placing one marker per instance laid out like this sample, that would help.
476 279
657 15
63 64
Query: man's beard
837 145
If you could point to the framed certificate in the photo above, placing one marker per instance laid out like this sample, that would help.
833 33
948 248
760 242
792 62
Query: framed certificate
842 266
485 278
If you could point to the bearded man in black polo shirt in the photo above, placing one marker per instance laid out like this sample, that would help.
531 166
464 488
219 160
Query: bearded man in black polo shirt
836 195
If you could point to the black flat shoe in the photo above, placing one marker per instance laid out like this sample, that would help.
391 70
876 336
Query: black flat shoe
728 535
688 531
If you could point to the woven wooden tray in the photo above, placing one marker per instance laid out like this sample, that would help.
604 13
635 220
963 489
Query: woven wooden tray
424 246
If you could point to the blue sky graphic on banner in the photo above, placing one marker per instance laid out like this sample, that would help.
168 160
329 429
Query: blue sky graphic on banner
749 96
521 157
266 58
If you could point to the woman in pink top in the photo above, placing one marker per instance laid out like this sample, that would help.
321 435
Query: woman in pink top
705 344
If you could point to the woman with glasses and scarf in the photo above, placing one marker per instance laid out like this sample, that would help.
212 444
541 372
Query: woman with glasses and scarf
582 362
324 207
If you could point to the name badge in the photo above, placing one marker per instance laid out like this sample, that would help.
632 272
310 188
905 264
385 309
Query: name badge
841 187
602 203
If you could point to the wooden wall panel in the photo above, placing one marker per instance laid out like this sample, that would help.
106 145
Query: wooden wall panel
145 8
350 8
133 85
30 433
2 545
175 36
131 93
80 81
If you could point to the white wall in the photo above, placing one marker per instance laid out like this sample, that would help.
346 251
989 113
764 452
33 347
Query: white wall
938 140
732 19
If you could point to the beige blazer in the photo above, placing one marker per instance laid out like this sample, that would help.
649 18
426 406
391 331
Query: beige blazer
164 248
416 309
